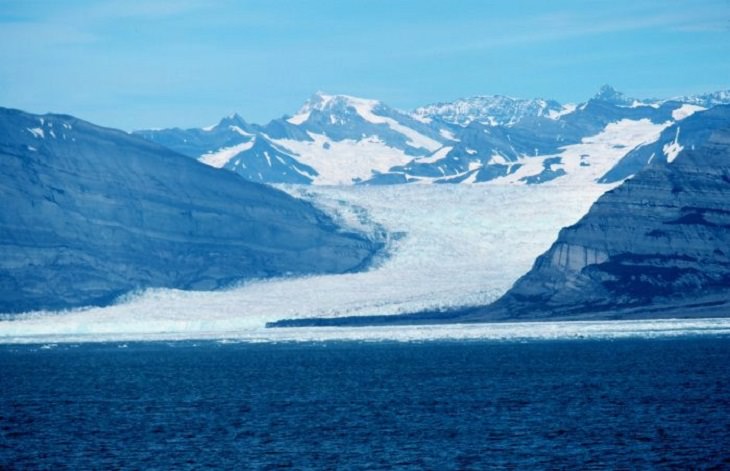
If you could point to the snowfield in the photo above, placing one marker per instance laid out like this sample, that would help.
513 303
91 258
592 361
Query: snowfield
447 246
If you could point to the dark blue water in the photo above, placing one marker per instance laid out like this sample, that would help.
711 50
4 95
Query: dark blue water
588 404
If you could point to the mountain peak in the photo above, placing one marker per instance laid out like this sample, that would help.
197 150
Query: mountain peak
323 101
489 109
335 104
233 119
609 94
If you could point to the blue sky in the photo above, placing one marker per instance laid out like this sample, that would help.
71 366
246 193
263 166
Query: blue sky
189 62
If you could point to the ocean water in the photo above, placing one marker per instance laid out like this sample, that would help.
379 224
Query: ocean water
624 403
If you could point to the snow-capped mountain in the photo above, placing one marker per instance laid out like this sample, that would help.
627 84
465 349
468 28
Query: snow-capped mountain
707 100
492 110
332 139
657 244
339 139
608 94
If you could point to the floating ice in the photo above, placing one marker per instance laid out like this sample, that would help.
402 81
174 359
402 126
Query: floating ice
228 332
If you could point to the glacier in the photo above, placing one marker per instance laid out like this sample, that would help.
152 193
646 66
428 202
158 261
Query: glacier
447 246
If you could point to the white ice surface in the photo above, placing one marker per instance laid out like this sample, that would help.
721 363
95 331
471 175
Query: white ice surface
366 109
240 131
415 139
601 152
339 162
451 245
686 111
299 118
446 134
37 132
436 156
672 150
221 157
231 331
567 109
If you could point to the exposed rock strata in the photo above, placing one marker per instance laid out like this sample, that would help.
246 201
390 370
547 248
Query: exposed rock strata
661 238
89 213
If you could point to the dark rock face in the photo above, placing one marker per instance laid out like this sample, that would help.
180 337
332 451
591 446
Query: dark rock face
89 213
662 238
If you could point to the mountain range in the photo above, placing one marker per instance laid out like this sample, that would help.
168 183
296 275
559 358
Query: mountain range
338 139
91 213
659 242
657 245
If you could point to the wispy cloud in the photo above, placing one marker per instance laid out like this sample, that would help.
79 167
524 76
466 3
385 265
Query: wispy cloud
151 9
565 25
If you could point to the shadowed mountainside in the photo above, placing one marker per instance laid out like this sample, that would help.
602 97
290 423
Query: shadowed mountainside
89 213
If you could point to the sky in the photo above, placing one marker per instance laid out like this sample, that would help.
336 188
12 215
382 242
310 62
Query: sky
187 63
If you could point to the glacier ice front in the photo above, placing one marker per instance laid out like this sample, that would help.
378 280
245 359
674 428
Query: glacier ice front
448 246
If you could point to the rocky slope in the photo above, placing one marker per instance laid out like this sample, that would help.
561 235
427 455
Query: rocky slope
656 246
660 242
89 213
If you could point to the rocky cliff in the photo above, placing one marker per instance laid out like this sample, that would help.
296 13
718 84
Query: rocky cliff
659 243
89 213
656 246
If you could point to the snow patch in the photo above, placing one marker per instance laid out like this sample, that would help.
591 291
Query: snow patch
672 150
472 178
240 131
498 159
343 162
599 151
567 109
415 139
421 119
436 156
685 111
37 132
446 134
221 157
299 118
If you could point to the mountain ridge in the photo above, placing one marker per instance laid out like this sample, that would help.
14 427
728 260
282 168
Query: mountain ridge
90 213
340 139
